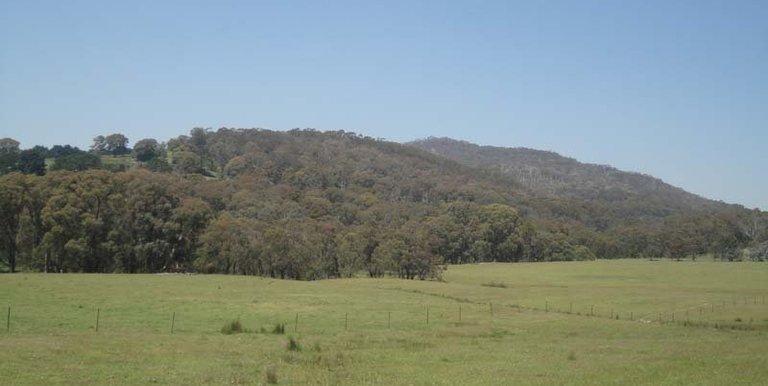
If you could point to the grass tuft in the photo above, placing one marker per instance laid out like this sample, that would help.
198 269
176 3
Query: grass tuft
271 375
233 327
293 344
495 284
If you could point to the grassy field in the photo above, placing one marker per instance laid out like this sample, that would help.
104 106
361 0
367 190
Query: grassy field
603 322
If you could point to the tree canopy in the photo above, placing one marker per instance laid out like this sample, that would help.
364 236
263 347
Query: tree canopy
309 205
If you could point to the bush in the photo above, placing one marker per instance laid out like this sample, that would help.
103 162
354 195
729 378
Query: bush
293 344
233 327
495 284
279 329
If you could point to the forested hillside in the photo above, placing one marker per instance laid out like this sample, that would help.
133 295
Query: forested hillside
305 204
635 214
546 172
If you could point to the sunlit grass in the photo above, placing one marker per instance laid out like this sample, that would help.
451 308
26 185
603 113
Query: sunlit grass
388 331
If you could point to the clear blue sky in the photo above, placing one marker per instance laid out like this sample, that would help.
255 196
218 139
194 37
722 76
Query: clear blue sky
676 89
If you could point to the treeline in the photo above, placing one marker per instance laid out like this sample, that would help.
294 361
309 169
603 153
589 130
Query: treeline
303 205
142 221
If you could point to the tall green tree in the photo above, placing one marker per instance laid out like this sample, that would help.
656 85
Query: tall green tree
116 144
32 161
226 246
11 208
99 145
9 155
146 149
501 229
198 138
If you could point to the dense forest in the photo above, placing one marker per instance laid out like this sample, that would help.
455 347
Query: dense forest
305 204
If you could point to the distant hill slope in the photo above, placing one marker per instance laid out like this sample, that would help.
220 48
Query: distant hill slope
632 207
548 173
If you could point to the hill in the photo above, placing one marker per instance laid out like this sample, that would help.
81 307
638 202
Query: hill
548 173
305 204
632 208
300 204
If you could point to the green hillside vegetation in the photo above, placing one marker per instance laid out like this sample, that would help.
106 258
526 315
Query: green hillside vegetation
633 215
305 204
601 322
121 162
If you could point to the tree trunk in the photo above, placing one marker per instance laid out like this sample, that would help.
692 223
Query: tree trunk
12 257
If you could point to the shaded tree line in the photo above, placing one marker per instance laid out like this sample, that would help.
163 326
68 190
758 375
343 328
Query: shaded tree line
143 221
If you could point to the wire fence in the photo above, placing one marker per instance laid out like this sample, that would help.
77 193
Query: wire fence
465 312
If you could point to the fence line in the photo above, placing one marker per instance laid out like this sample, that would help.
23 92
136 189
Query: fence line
496 310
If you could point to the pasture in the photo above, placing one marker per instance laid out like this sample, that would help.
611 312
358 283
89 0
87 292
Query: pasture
601 322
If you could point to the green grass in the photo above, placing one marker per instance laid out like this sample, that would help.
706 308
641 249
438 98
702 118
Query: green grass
126 160
532 337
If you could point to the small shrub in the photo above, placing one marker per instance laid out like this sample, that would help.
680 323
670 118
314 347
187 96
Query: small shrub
279 329
271 374
495 284
572 356
293 344
233 327
737 320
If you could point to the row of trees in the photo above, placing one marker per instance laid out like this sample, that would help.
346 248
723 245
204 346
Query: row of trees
141 221
144 150
39 159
